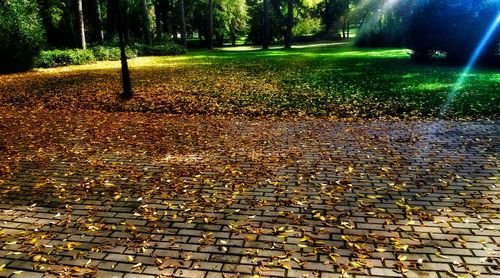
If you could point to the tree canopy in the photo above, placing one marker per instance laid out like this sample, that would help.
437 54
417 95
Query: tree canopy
428 27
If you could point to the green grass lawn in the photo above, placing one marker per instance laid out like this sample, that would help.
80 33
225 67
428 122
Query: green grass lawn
323 80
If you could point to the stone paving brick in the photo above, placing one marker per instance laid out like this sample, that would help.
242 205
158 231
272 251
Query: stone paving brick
446 181
189 273
384 272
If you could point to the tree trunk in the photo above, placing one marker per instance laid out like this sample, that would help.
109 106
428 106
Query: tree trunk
165 18
111 20
210 24
127 84
348 29
125 19
233 39
183 23
344 29
289 25
94 17
81 25
158 19
175 29
265 39
145 18
99 21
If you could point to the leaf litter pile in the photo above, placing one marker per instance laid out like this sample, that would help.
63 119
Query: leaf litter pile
86 191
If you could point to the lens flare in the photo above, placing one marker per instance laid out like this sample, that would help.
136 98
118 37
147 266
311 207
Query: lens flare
475 56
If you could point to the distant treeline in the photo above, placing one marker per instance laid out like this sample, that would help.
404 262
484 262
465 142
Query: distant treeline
450 28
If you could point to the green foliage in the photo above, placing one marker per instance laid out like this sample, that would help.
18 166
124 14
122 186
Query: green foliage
231 17
160 50
108 53
65 57
453 28
21 34
307 26
53 58
384 23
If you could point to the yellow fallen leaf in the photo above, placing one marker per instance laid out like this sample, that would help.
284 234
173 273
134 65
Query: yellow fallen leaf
137 265
130 259
375 197
441 255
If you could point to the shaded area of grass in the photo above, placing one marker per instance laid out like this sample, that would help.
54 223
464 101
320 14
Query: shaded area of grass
324 80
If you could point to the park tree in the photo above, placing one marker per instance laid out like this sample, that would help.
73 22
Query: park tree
335 16
21 34
265 41
145 22
182 19
383 23
210 24
94 19
289 24
230 20
81 25
453 28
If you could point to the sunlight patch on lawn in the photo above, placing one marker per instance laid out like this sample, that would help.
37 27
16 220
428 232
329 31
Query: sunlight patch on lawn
377 53
435 86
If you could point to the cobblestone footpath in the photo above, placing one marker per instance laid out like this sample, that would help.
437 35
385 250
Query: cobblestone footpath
237 197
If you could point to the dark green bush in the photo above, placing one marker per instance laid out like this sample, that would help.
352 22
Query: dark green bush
453 28
53 58
108 53
161 50
64 57
21 34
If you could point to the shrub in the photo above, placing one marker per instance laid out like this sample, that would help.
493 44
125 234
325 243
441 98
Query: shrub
107 53
306 27
53 58
453 28
161 50
21 34
64 57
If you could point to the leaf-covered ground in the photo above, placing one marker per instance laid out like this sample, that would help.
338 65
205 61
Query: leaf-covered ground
326 80
214 184
126 194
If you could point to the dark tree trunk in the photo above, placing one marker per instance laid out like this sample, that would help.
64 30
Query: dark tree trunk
289 25
158 19
344 29
127 84
265 37
348 29
125 19
183 23
145 18
210 24
233 39
94 17
81 25
163 15
111 20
